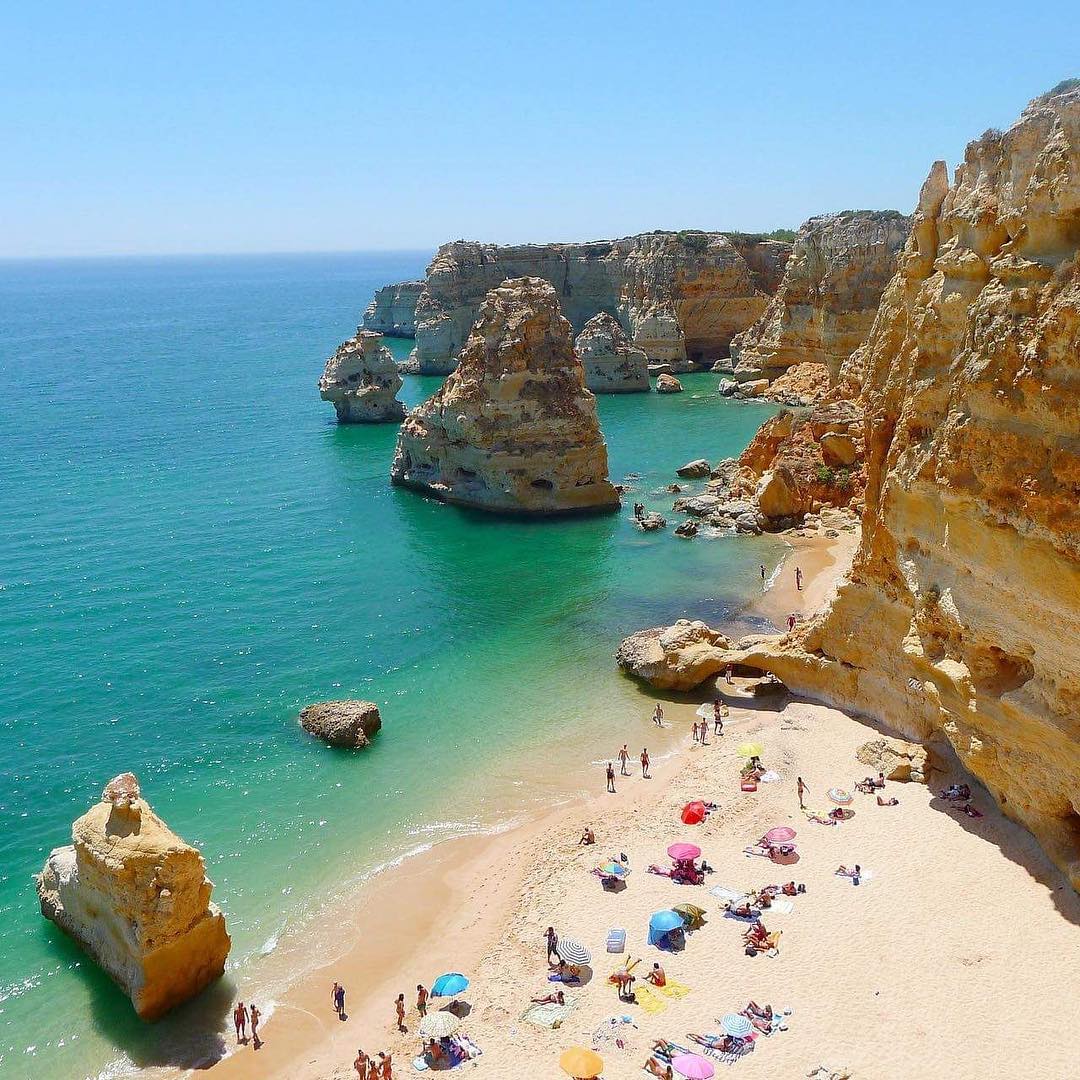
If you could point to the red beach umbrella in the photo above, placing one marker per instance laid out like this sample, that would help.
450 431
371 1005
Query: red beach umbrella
684 852
693 813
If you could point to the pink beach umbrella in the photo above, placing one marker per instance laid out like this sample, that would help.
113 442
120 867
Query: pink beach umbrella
693 1066
684 852
780 835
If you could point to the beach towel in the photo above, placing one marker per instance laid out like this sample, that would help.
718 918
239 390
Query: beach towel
782 907
728 1057
648 1000
550 1015
723 893
673 990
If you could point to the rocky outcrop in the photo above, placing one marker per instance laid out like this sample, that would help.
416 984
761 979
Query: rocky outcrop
960 619
513 429
800 386
677 657
349 724
680 297
137 899
668 384
392 310
825 305
906 762
612 365
362 381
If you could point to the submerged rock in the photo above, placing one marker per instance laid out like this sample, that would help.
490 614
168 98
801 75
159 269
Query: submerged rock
362 381
350 724
137 899
612 365
513 429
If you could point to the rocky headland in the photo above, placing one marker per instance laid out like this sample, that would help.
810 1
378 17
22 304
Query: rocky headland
136 897
361 380
392 310
513 429
960 619
612 365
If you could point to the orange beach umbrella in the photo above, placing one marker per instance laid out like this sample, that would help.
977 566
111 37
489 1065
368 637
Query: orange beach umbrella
580 1063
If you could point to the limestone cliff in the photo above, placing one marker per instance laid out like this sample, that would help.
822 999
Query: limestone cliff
825 305
362 381
392 310
961 616
680 296
612 365
137 899
513 429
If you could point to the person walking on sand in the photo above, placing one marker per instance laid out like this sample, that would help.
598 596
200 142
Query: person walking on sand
337 995
624 760
762 575
704 732
645 764
552 943
255 1040
611 778
240 1019
399 1009
727 675
803 789
421 1000
718 717
387 1067
798 578
658 715
695 731
792 619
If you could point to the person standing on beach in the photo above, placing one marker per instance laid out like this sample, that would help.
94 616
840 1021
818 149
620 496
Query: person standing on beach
718 717
645 764
695 731
611 778
763 574
728 674
421 1000
792 619
399 1009
658 715
803 789
361 1064
552 943
798 578
704 732
624 760
387 1067
240 1018
337 995
255 1040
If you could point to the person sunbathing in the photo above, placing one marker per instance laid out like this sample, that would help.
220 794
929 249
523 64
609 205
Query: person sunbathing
741 911
757 935
587 837
865 786
887 802
791 889
551 999
957 791
657 976
436 1053
754 1009
657 1069
654 869
665 1048
843 871
725 1043
970 810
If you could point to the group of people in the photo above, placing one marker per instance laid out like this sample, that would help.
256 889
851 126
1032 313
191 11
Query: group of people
381 1067
244 1015
374 1068
624 759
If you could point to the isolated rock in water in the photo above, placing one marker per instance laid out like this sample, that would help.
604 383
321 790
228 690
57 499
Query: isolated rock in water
896 758
612 365
513 429
392 311
350 724
137 899
694 470
651 521
677 657
362 381
825 306
687 530
668 384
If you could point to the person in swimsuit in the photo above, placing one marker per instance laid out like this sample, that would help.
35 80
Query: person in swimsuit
803 789
611 778
256 1041
588 837
798 578
240 1018
399 1010
624 760
337 995
421 1000
552 943
361 1064
658 715
645 764
657 976
551 999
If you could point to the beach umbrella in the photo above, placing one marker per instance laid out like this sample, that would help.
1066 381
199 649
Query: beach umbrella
663 921
614 869
780 835
439 1025
693 1066
581 1063
736 1025
682 852
449 985
692 915
840 796
693 813
750 749
573 952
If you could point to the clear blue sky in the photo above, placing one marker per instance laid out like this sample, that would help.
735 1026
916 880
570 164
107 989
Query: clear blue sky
259 126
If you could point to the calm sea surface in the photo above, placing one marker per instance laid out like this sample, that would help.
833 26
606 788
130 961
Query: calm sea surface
191 550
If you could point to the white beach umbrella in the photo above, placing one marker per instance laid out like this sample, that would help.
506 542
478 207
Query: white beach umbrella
573 952
439 1025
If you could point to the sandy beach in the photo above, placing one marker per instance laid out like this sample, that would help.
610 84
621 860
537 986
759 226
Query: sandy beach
945 960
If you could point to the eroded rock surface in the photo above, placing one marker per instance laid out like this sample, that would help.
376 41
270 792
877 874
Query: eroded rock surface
896 758
392 310
137 899
514 428
677 657
349 724
612 365
361 380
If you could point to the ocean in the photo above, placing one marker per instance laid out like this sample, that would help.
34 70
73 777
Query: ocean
192 550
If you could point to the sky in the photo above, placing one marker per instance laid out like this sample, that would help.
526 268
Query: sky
235 126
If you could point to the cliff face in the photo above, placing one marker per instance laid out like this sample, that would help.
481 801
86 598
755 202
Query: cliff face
137 899
961 617
612 365
392 311
362 381
678 295
513 429
825 305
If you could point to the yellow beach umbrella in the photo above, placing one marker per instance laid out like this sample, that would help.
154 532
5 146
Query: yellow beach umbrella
580 1063
751 749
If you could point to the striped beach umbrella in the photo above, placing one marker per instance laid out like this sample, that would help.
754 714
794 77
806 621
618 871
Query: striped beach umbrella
439 1025
573 952
736 1025
840 796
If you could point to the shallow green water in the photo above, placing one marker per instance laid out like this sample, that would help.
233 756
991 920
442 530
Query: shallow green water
192 550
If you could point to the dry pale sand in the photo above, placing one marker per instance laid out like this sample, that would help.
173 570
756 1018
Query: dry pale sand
959 957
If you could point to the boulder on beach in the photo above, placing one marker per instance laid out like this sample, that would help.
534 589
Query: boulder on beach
350 724
896 758
136 897
677 657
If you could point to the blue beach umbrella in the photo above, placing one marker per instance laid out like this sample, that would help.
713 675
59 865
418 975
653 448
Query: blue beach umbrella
662 923
614 869
448 985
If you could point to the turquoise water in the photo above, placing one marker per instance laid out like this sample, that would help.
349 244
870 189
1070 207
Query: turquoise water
192 550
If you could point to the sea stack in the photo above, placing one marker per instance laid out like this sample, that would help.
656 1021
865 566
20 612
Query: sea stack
362 381
136 897
612 365
513 429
